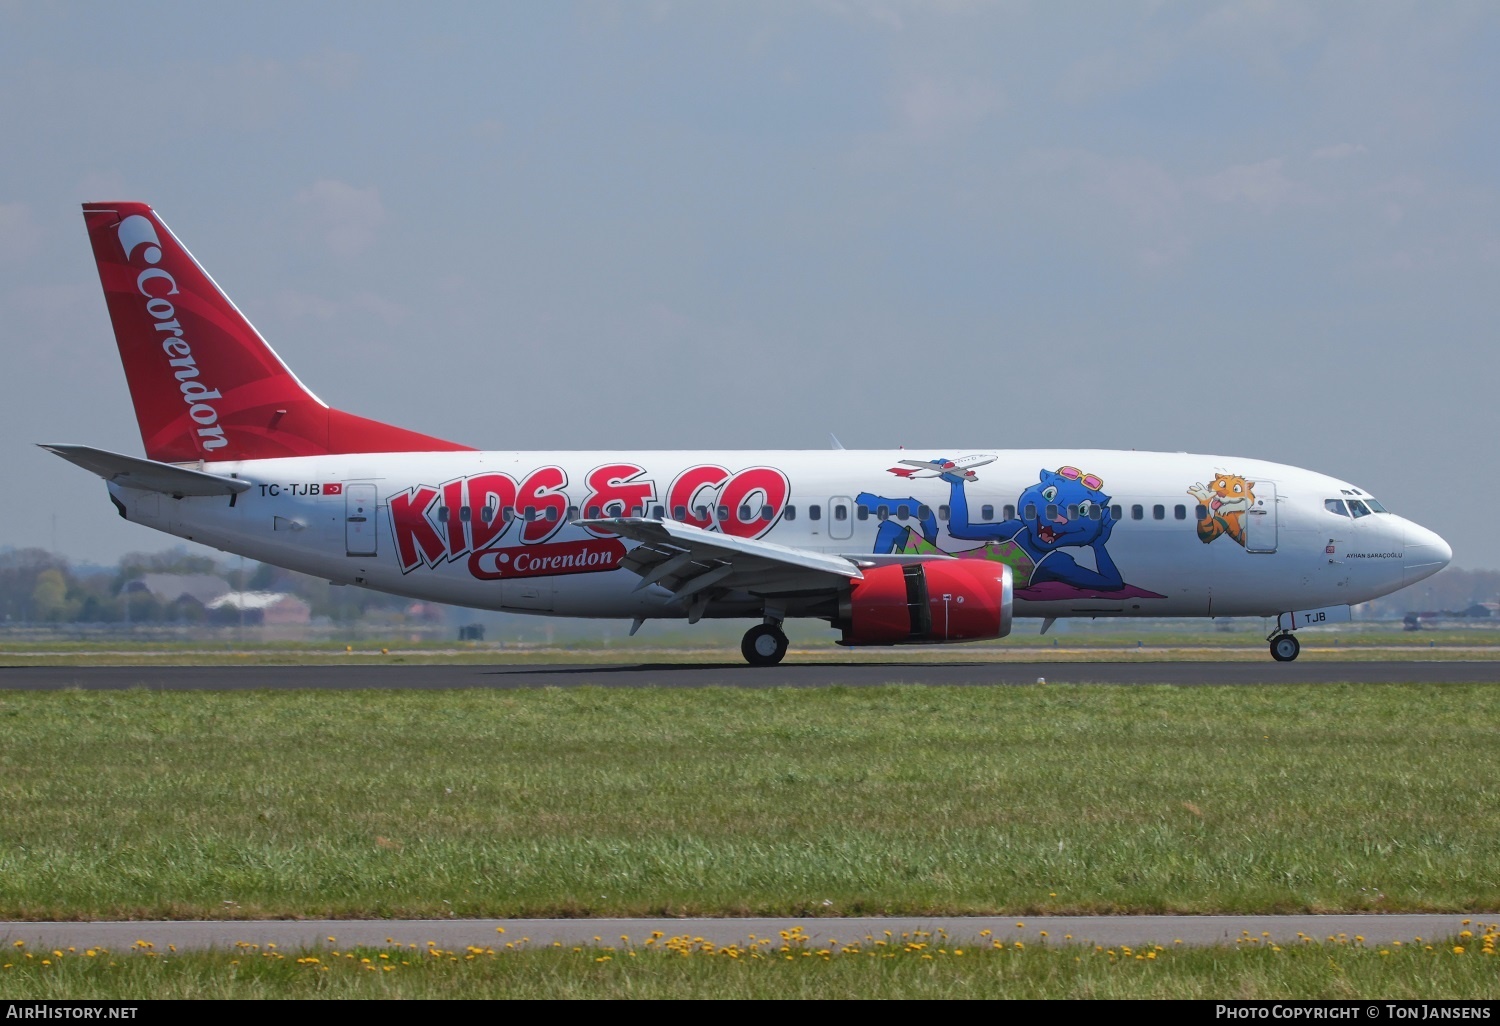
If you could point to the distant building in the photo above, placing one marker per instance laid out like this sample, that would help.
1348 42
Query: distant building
260 608
168 588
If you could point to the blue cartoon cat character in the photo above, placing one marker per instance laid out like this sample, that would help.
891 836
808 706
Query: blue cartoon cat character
1066 508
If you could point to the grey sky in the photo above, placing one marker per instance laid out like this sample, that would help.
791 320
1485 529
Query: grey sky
1254 229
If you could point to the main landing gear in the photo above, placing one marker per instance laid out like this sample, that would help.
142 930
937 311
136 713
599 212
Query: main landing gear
1284 646
764 644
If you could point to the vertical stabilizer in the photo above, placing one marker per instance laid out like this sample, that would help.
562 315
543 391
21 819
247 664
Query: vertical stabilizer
206 386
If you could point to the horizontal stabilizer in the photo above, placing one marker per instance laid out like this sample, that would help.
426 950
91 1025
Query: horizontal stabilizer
148 475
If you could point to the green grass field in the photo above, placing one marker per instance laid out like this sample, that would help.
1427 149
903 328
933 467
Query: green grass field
592 802
910 966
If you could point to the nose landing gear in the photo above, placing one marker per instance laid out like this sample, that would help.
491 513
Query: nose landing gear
1284 646
764 644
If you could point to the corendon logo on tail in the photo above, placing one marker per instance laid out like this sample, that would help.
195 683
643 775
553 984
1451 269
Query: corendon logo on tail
156 285
470 516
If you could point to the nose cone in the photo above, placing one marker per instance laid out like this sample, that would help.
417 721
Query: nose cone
1426 553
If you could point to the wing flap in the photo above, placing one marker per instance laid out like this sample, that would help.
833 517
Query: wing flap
693 563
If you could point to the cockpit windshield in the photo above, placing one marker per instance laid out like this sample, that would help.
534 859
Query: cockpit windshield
1355 508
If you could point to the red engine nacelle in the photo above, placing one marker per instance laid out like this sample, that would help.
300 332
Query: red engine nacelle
915 603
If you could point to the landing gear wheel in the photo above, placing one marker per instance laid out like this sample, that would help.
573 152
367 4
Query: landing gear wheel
1284 647
763 645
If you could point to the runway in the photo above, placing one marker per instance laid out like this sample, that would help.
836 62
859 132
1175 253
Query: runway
456 934
694 675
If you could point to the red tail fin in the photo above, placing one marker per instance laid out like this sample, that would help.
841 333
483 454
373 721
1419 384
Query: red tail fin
206 386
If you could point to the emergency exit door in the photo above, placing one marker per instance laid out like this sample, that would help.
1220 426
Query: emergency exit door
359 520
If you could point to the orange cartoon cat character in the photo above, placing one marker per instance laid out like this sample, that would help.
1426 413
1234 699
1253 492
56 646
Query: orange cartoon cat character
1227 499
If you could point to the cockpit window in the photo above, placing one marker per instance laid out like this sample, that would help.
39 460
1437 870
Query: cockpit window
1377 507
1335 506
1358 509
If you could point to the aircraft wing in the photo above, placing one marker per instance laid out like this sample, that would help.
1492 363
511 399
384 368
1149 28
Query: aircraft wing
695 564
148 475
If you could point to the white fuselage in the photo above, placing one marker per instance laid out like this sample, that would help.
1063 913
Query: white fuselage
451 526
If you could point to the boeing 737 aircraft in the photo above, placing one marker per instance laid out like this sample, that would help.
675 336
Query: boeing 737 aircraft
890 548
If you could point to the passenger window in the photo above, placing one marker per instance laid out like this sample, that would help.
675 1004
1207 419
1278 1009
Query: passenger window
903 512
593 512
552 514
723 514
464 514
1114 513
1158 512
487 513
1358 509
1096 512
531 513
443 512
1335 506
1010 512
572 512
679 512
614 509
1200 511
841 512
1179 511
790 513
658 513
767 514
924 511
1030 511
1137 512
745 513
815 512
862 512
508 514
986 512
882 512
701 513
1051 511
1072 511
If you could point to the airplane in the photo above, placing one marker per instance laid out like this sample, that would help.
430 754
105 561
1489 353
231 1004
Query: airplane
889 548
937 468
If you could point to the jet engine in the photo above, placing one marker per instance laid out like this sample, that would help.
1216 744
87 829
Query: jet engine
928 603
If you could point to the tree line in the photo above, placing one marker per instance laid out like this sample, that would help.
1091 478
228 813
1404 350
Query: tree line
37 586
